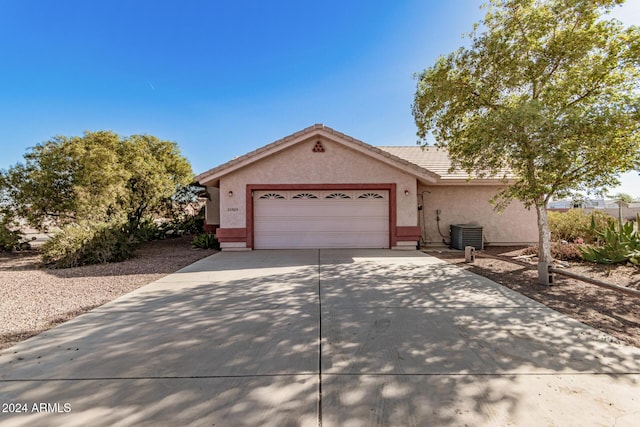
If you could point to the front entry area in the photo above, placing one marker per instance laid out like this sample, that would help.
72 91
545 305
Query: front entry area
321 219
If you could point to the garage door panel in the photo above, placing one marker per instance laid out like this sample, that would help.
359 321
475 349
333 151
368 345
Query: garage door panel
287 221
274 224
276 208
310 240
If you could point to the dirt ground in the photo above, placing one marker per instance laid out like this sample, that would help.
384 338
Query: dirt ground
610 311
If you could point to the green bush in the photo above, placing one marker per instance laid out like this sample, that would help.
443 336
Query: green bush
575 224
206 241
193 224
9 239
619 243
88 243
186 224
147 230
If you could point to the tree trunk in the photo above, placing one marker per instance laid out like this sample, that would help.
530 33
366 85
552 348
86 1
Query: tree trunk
544 245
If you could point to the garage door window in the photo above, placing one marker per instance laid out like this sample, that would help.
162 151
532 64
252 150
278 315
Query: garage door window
337 196
272 196
370 196
306 196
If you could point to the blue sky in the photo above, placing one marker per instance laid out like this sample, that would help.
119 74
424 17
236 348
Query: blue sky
222 78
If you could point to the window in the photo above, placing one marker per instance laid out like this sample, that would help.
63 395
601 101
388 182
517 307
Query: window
370 196
305 196
272 196
337 196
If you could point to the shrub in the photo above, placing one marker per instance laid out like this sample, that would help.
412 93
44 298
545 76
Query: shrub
147 230
566 251
88 243
193 224
575 224
187 225
9 239
563 251
620 243
206 241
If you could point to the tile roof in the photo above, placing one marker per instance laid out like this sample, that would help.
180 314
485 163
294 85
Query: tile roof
308 132
431 158
430 163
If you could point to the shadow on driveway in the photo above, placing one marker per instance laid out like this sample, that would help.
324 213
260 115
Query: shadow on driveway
388 338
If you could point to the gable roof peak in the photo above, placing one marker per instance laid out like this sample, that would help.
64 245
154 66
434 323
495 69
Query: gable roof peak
304 134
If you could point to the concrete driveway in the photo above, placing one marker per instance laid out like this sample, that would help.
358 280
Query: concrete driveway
330 337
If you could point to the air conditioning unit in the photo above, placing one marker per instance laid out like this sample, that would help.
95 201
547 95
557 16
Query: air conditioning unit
466 235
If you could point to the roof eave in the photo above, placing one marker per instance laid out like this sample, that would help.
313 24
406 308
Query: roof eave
213 175
475 181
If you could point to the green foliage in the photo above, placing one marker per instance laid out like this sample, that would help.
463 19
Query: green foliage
96 177
546 90
192 224
183 222
88 243
157 171
146 230
185 211
206 241
195 224
9 239
66 179
624 197
575 225
620 243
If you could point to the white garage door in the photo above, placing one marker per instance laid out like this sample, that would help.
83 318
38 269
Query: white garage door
321 219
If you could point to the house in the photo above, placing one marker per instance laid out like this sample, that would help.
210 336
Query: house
565 204
615 208
319 188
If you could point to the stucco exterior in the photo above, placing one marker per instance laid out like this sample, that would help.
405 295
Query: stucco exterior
212 210
319 158
299 165
464 204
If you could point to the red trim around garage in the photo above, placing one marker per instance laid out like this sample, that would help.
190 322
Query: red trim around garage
391 188
231 234
408 233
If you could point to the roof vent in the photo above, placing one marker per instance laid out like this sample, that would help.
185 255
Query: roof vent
463 235
318 148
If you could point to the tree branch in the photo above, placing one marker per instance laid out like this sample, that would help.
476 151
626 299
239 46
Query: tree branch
583 96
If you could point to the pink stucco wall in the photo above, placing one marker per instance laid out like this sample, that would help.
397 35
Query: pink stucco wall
463 204
300 165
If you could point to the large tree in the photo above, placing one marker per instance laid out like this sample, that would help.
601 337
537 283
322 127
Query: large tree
157 171
96 177
548 89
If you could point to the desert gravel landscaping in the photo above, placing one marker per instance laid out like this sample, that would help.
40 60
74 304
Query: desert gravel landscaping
34 298
609 311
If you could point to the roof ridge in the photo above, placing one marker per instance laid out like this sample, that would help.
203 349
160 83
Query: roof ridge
308 130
